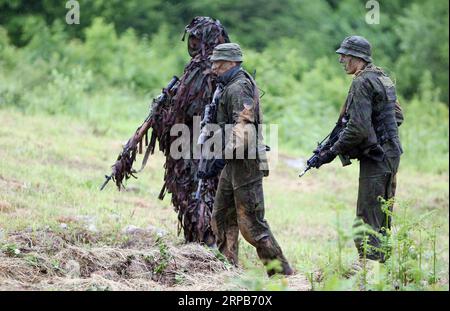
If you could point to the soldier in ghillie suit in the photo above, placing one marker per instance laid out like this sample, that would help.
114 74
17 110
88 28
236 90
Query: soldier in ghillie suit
193 94
371 115
186 99
239 202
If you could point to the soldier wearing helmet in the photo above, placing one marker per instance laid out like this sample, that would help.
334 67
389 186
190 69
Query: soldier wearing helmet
239 201
371 115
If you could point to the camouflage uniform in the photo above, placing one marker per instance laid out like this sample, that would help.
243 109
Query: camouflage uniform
239 202
371 135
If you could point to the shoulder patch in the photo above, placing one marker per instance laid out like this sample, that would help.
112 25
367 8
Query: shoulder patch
386 81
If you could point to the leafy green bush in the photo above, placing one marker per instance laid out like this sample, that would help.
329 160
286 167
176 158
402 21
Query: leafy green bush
412 35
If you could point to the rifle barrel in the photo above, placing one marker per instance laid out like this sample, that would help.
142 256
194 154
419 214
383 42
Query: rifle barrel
108 178
304 171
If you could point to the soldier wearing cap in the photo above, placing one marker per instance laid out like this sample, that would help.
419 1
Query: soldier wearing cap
239 201
372 116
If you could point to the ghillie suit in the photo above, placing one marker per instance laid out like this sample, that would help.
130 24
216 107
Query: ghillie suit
187 99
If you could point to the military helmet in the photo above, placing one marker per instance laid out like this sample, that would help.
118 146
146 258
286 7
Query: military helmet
356 46
227 51
209 31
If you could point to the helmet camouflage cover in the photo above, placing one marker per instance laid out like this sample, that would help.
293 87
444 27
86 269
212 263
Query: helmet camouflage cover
209 31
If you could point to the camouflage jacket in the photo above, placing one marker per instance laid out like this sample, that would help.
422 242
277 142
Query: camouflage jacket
239 107
371 111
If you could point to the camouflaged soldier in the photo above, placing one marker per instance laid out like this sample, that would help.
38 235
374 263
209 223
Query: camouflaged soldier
193 94
239 201
186 100
372 116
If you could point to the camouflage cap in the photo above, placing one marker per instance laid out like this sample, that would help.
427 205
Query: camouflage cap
356 46
227 51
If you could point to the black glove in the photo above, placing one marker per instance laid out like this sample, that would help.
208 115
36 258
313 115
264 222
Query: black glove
212 169
326 157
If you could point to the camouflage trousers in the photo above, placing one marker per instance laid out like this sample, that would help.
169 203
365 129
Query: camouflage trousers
242 210
377 181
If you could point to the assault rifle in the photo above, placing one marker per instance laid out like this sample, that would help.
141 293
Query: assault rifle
325 145
123 166
210 112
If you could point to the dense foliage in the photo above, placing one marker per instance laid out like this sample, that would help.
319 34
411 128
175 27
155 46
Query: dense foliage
108 67
411 38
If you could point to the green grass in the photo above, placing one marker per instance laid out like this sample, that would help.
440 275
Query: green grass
52 166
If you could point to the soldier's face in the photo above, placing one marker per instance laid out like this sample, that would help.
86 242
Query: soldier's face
221 66
193 46
351 64
347 63
194 43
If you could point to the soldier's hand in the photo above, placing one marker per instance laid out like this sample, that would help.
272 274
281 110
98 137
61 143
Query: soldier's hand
326 157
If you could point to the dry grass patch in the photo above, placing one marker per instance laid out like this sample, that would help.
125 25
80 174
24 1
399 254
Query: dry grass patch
80 260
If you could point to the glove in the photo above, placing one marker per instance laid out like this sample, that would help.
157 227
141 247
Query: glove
326 156
212 170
